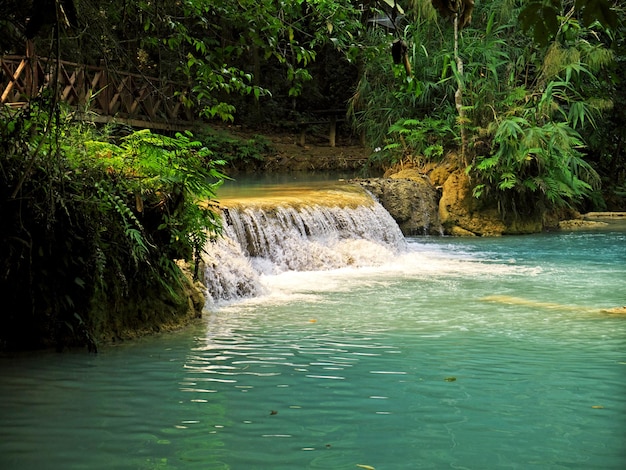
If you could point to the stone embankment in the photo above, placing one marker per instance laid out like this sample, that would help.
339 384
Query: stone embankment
438 200
411 199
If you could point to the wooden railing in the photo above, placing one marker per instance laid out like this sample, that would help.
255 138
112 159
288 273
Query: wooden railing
96 93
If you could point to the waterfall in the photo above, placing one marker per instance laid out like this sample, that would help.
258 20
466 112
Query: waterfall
322 231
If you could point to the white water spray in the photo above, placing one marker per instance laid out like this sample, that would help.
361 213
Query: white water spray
262 238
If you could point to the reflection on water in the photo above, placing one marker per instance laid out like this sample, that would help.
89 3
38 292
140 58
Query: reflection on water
279 185
421 362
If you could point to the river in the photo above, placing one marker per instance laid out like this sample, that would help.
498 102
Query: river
425 352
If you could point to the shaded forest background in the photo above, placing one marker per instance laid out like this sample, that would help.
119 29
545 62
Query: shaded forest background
533 68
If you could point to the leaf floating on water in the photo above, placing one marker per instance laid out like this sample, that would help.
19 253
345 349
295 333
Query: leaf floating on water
450 379
597 407
366 467
273 412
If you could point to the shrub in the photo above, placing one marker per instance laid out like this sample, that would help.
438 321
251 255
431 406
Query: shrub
87 222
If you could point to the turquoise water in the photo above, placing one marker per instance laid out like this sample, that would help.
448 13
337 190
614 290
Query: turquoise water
457 353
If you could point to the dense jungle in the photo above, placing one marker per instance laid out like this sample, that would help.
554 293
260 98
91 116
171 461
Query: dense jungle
102 224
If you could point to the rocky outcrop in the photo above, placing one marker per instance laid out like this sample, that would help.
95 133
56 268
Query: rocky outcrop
411 200
438 199
462 214
580 224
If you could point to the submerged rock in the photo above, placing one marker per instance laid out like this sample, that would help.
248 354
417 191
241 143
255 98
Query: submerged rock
619 310
580 224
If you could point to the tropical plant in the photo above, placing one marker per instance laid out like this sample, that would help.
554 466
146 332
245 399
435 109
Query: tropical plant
521 109
534 167
537 151
386 97
90 226
422 137
233 149
171 180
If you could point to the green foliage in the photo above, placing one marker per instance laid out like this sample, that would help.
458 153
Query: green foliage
232 54
526 109
89 224
216 54
230 148
534 158
274 61
542 17
387 104
423 136
169 178
534 167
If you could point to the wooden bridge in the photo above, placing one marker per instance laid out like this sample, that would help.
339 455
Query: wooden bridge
96 93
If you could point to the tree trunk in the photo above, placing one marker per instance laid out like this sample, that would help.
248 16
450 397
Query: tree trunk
458 95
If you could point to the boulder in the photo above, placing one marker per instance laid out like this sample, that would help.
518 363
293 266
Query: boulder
410 199
438 199
461 213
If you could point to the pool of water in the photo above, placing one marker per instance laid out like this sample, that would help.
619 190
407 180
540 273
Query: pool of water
280 184
457 353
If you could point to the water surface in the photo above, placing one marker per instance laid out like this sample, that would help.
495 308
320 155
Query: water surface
456 353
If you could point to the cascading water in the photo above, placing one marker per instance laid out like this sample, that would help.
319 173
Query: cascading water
326 230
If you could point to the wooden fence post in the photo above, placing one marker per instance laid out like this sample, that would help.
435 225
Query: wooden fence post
104 91
31 76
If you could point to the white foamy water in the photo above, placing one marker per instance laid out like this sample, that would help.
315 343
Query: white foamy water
268 240
283 247
280 253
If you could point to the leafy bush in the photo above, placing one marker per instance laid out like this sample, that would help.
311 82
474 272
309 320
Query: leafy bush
534 167
230 148
90 226
525 113
423 137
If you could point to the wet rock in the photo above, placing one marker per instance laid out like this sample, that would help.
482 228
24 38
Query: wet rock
618 310
193 290
461 213
580 224
411 200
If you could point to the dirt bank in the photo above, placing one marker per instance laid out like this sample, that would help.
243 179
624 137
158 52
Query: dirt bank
286 154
